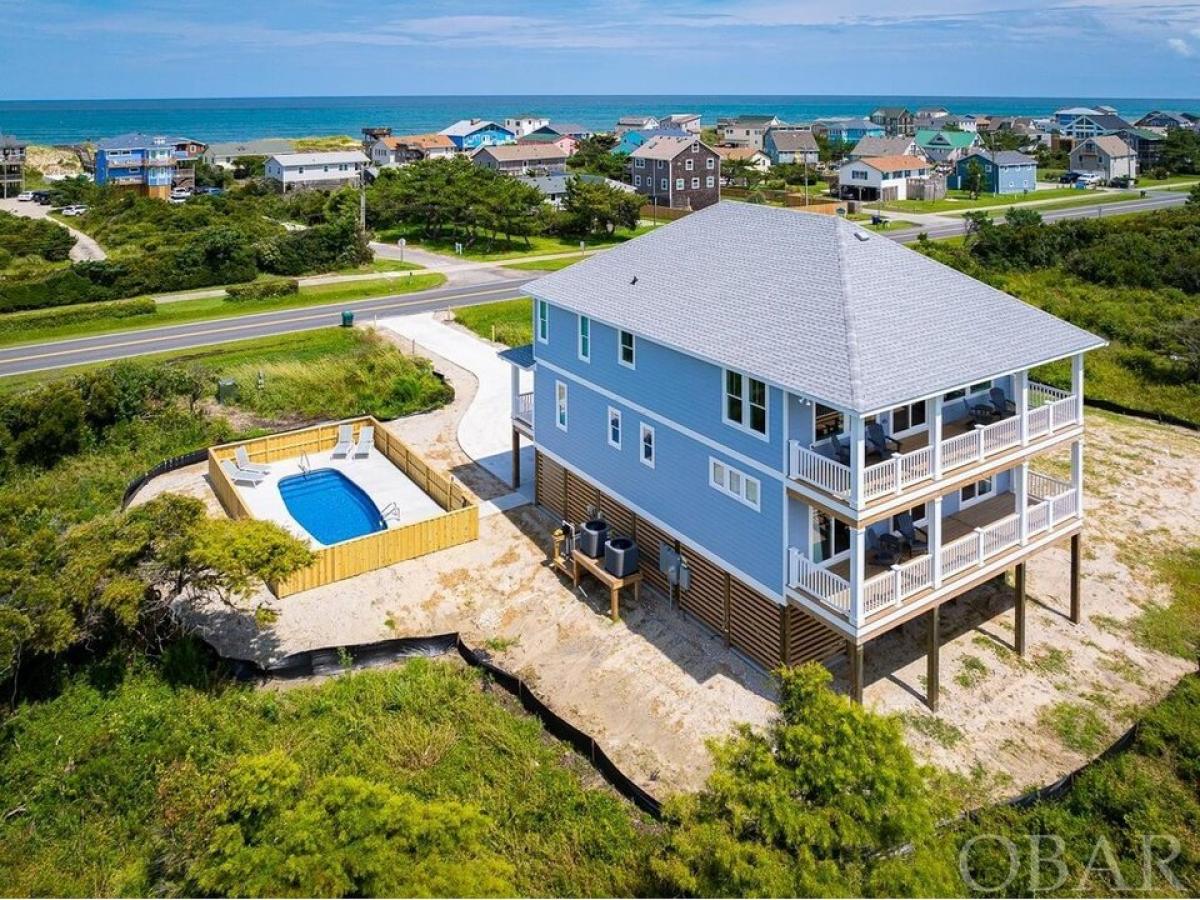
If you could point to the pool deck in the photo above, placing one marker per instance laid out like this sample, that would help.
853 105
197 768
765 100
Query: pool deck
382 482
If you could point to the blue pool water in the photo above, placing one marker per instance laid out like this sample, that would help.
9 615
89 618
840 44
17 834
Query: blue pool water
330 506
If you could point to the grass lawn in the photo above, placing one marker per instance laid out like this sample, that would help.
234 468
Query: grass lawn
547 265
182 311
1091 198
508 321
538 245
891 225
1174 180
961 200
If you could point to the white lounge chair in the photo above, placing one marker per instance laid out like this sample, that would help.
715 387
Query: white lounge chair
366 440
243 463
237 475
345 441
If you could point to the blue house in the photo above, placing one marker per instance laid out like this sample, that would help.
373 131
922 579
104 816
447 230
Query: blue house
631 140
150 164
847 131
1004 171
471 134
846 446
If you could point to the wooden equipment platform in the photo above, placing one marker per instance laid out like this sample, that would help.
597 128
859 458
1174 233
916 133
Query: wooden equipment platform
577 563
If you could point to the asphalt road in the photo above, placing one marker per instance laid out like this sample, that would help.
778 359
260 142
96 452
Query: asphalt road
138 342
108 347
1154 200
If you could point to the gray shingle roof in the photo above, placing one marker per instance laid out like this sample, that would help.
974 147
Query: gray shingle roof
882 146
813 304
792 141
665 146
1003 157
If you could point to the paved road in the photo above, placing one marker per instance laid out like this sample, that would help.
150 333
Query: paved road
107 347
1153 200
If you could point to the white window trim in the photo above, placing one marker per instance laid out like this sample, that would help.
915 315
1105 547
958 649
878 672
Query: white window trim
561 412
979 497
723 487
642 432
613 412
584 357
632 346
814 532
734 423
914 429
542 307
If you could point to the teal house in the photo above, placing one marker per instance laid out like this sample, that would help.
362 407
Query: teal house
1004 172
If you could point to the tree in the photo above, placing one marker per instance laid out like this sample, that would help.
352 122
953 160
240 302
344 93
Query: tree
1194 196
594 207
823 803
249 167
594 156
973 179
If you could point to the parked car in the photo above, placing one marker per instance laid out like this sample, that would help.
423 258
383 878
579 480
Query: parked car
25 196
1068 177
210 191
1087 179
76 209
180 193
42 197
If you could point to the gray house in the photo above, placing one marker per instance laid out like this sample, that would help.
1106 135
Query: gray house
679 172
791 145
1107 156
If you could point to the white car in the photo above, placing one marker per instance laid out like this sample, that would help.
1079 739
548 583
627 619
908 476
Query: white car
77 209
25 195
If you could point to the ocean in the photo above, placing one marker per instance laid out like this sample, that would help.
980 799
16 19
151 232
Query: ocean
228 119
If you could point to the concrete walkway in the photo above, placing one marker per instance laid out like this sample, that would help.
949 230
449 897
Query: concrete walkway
485 430
460 270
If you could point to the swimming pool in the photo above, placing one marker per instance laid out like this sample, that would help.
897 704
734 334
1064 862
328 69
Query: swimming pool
330 506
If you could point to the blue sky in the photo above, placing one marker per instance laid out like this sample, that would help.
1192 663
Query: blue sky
155 48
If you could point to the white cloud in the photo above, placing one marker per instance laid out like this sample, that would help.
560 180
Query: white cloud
1180 46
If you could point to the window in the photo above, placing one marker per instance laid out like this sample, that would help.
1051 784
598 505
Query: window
637 180
709 181
745 402
973 493
730 481
695 182
858 175
627 350
560 405
543 321
918 517
585 338
614 428
910 417
831 537
679 184
646 442
662 184
695 148
827 422
687 164
639 164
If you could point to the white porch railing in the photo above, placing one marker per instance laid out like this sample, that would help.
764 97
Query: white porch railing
818 470
817 581
1044 486
897 472
523 408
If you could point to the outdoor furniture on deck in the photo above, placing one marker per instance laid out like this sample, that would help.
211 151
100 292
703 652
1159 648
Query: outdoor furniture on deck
841 451
241 476
997 407
366 440
345 441
573 561
881 443
243 463
886 551
909 534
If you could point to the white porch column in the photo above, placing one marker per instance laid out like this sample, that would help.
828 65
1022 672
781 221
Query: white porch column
933 530
858 460
1021 401
935 436
1077 385
1077 474
1021 490
858 557
516 388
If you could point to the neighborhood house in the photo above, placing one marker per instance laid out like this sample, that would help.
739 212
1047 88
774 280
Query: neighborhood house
678 172
882 178
305 171
1003 172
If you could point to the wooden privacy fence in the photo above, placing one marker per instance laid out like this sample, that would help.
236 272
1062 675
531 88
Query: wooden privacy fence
457 525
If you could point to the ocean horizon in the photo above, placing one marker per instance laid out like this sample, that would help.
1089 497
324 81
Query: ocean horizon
240 118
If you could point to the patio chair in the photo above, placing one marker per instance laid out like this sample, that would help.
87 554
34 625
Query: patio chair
841 450
885 550
241 476
1001 404
909 534
243 463
366 440
345 441
880 442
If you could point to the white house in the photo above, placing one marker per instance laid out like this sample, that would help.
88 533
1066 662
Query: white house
689 122
303 171
881 177
523 123
1107 155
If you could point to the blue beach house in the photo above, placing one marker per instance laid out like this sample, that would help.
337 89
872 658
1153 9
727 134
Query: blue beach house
847 131
837 434
1004 171
471 134
631 140
150 164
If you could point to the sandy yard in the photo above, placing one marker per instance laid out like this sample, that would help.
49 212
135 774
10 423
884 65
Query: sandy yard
653 688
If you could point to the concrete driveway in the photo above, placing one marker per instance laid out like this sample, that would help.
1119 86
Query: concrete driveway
85 247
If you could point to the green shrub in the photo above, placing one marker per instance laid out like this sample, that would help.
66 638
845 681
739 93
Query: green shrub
40 237
71 315
262 290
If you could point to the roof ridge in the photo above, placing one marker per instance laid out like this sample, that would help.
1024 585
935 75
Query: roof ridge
852 360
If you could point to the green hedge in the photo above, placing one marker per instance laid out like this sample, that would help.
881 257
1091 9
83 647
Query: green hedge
262 290
71 315
34 237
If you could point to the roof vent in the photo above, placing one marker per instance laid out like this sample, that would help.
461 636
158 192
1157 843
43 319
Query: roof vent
862 235
634 280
